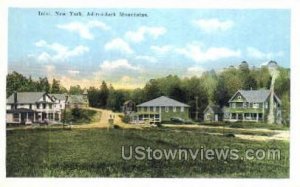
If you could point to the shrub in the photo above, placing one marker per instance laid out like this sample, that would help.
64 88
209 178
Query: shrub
125 119
116 127
78 115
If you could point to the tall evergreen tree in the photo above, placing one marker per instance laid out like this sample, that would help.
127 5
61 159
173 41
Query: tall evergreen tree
55 87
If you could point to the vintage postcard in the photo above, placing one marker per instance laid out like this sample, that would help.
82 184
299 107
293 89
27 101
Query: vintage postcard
148 93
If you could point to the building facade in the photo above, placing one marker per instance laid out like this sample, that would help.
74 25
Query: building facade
128 107
32 107
159 110
252 105
213 113
78 101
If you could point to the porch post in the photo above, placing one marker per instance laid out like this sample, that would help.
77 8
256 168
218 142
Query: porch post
230 116
26 116
256 116
59 116
34 117
243 116
19 117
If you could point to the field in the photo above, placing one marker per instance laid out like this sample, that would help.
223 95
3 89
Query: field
54 152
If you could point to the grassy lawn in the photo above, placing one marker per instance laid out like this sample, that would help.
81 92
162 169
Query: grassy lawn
247 125
97 153
205 130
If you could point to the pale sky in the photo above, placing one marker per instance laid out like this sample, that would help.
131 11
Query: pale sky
128 51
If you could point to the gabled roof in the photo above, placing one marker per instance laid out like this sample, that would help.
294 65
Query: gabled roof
127 102
255 96
215 108
61 97
163 101
26 97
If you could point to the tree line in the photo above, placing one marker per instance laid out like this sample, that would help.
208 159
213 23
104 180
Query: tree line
210 88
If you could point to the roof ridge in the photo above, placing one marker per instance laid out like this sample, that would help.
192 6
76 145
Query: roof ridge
159 102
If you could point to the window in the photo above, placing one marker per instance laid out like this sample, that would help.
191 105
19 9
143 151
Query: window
239 97
255 105
44 106
182 109
15 117
266 105
174 108
50 106
233 105
167 109
50 116
154 109
30 106
38 106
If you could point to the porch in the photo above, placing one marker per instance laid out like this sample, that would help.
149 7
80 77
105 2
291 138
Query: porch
29 116
250 117
145 118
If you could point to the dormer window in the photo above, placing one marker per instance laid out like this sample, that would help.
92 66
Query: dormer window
239 97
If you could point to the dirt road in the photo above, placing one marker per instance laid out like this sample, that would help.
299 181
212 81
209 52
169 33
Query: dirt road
104 120
278 134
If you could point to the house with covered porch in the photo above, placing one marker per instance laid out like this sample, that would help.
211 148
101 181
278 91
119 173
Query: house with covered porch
253 106
160 110
32 107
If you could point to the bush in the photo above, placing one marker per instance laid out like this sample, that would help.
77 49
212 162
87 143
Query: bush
116 127
229 135
78 115
158 124
125 119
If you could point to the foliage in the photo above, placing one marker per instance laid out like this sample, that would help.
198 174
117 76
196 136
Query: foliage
18 82
210 87
80 116
75 90
125 119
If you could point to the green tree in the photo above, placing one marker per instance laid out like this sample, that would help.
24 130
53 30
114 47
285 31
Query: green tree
75 90
55 87
221 94
15 82
93 96
249 82
194 87
137 95
103 95
43 85
210 81
152 90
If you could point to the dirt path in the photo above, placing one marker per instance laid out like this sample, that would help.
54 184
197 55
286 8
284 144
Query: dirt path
278 134
105 116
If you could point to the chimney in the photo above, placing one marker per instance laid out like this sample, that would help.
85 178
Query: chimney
15 97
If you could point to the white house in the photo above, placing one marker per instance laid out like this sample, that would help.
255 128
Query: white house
60 101
33 107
